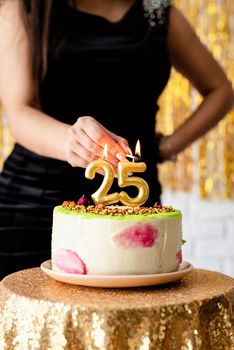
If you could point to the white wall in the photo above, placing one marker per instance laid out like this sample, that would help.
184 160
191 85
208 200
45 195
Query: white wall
208 228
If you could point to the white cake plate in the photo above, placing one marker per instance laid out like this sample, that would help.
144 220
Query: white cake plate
119 281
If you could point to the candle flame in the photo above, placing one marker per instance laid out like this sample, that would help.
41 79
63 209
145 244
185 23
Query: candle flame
105 151
138 149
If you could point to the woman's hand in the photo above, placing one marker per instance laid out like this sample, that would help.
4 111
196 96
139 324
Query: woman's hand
86 142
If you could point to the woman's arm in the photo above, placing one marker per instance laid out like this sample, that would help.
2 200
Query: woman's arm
78 144
190 57
30 127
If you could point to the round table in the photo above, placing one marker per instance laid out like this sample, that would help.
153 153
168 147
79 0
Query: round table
39 313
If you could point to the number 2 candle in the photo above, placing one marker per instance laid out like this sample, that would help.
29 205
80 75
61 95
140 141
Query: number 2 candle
101 196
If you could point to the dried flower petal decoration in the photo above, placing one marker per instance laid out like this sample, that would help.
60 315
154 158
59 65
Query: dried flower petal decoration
155 10
83 201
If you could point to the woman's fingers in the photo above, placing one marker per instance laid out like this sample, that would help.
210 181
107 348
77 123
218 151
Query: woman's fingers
80 158
100 135
81 151
74 160
85 147
86 141
122 142
91 138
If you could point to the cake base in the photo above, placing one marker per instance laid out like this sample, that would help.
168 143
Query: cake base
115 281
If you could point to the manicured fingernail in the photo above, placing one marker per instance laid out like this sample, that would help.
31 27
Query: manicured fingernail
119 156
130 174
128 150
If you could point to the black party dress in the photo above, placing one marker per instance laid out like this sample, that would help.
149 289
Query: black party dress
113 72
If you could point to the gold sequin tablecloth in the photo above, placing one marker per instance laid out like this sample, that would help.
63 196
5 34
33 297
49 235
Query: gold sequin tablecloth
39 313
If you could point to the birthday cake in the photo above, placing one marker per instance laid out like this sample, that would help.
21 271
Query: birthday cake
116 240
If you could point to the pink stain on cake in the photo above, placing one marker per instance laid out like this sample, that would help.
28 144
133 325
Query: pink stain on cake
137 236
68 261
179 257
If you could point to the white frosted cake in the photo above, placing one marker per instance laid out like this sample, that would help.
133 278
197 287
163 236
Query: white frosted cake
116 240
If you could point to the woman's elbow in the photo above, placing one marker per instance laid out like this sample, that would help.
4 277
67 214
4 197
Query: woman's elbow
15 117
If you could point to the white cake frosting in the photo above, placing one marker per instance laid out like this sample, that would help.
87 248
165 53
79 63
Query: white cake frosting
116 240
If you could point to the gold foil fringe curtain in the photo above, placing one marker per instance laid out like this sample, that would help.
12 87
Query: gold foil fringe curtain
207 166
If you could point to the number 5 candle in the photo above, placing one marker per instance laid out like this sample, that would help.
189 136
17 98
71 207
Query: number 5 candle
124 180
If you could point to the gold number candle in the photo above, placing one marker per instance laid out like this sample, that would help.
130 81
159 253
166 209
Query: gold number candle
101 196
124 180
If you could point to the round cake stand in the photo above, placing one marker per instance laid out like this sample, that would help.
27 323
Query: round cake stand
39 313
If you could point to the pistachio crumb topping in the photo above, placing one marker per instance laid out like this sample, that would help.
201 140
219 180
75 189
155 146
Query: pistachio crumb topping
116 210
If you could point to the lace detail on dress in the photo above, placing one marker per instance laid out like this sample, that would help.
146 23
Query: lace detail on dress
155 10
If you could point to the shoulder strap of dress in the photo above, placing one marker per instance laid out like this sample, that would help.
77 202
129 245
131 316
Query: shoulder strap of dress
156 11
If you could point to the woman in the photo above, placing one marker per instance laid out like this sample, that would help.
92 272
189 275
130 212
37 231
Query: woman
75 75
